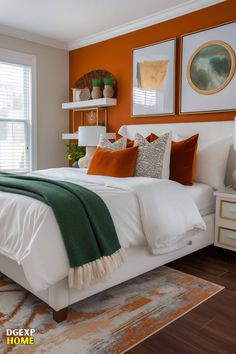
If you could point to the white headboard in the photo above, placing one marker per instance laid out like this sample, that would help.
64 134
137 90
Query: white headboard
206 130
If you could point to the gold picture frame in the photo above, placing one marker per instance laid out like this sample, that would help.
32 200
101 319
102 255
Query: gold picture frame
186 106
231 72
171 46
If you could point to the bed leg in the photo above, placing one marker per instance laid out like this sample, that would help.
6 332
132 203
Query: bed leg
60 315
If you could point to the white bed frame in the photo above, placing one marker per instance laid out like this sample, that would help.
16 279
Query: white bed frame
139 260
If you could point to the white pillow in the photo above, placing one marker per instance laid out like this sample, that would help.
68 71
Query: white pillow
117 145
212 159
153 158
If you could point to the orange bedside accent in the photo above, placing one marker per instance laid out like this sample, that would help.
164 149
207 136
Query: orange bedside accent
119 163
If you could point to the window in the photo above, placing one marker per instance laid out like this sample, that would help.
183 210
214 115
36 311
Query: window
16 71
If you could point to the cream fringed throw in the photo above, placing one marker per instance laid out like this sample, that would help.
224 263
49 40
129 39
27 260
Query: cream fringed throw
86 225
82 277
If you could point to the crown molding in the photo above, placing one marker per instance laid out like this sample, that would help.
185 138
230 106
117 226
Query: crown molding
158 17
32 37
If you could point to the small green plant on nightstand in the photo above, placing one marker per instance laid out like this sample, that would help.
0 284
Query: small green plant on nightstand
74 152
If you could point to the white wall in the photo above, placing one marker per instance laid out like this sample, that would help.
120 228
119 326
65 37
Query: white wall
52 90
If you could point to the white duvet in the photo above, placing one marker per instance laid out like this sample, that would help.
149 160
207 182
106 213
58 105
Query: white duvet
145 211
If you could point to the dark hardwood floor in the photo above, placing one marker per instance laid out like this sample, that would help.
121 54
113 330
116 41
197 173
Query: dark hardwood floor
210 327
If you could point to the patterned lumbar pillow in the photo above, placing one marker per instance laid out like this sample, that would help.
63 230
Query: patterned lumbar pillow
153 158
117 145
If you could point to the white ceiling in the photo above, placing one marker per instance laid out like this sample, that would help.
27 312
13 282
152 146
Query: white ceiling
71 24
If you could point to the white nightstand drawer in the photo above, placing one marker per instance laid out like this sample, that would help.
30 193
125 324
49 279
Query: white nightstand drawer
227 237
227 210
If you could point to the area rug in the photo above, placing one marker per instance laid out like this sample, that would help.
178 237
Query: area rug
111 322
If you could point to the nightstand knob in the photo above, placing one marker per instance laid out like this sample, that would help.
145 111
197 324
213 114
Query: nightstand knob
232 237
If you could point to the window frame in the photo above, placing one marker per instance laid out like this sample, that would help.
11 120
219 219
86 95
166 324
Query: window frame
20 58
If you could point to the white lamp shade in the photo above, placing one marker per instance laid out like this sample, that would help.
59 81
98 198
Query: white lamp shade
89 135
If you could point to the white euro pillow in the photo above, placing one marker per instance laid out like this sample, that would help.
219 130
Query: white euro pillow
212 159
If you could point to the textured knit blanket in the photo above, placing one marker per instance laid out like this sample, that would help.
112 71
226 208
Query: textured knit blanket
86 225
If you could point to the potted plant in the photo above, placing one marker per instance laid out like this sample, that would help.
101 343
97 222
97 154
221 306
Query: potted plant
108 91
74 153
96 91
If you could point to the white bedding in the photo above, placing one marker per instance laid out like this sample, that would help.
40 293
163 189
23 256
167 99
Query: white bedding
203 197
156 213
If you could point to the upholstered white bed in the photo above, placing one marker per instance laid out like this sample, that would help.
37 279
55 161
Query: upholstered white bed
138 259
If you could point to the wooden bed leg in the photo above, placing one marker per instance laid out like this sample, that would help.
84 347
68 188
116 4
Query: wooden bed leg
60 315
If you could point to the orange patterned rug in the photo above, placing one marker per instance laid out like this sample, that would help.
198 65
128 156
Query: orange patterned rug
108 323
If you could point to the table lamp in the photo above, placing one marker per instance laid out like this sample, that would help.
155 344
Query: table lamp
89 137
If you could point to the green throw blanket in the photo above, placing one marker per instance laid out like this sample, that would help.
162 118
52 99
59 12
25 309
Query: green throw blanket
86 225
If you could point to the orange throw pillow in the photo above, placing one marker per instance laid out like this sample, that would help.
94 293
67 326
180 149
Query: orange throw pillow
119 163
182 159
150 138
130 143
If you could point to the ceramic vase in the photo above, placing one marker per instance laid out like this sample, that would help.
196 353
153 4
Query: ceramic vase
108 91
96 92
81 94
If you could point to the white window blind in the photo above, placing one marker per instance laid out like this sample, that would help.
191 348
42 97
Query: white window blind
15 117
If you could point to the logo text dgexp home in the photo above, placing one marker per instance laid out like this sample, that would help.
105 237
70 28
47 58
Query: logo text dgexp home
19 336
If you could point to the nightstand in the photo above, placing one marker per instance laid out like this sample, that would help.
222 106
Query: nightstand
225 219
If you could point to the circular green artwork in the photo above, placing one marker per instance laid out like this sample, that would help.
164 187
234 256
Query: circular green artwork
211 67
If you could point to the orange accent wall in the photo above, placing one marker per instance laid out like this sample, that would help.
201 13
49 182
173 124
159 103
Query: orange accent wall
115 55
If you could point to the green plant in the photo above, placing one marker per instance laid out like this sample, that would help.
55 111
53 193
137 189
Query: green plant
108 81
96 82
74 152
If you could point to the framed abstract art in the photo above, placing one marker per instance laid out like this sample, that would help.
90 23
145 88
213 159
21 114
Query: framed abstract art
208 80
153 79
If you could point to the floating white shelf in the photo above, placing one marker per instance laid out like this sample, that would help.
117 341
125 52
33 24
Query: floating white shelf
100 102
74 136
70 136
